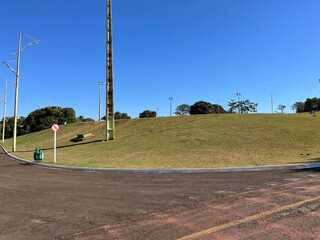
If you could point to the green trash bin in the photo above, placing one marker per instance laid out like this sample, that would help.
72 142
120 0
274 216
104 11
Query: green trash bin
36 154
41 154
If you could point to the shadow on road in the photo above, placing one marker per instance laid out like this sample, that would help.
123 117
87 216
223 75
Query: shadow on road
316 169
15 165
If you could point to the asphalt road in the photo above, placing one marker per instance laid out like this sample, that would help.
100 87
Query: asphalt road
42 203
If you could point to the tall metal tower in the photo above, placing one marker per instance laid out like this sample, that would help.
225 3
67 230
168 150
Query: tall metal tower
110 131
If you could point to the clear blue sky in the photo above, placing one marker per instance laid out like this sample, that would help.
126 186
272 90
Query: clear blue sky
189 49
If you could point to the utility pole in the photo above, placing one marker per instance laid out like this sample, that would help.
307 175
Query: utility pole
17 74
238 95
14 143
170 99
271 103
110 131
100 84
4 111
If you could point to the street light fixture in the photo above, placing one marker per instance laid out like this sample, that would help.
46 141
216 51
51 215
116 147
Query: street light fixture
6 63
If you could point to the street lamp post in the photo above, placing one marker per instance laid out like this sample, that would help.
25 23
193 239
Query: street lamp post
271 103
170 99
17 74
14 143
100 84
238 95
4 112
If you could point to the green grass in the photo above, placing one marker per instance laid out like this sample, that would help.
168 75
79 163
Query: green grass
202 141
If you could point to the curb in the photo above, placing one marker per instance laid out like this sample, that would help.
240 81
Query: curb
169 171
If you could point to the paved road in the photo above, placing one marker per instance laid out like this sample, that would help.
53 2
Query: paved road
41 203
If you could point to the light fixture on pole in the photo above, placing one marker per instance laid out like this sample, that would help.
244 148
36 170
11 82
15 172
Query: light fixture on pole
170 99
100 84
6 63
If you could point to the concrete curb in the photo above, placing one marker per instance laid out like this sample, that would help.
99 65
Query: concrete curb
170 171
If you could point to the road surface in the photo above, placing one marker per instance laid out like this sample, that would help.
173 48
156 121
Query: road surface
42 203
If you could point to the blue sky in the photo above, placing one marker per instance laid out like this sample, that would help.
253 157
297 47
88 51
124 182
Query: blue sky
189 49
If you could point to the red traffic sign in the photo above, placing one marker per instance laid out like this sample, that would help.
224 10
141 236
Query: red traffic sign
55 127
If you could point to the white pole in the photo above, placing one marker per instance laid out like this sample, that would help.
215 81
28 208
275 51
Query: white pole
55 147
14 143
4 111
170 99
271 103
100 84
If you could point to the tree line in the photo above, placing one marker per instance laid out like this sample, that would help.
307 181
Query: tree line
202 107
244 106
39 119
43 118
309 105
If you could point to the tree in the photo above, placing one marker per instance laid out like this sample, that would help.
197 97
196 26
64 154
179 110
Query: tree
21 128
43 118
80 118
312 104
242 106
148 114
233 106
68 115
299 107
118 115
83 119
281 108
182 110
88 120
218 109
202 107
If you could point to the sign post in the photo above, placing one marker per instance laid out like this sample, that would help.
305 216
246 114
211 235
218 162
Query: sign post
55 128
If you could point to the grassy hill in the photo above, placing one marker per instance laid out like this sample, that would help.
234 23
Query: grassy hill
203 141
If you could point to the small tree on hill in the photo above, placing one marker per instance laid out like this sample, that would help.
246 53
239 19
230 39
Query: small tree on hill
118 115
242 106
218 109
80 118
312 104
281 108
148 114
182 110
299 107
88 120
202 107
